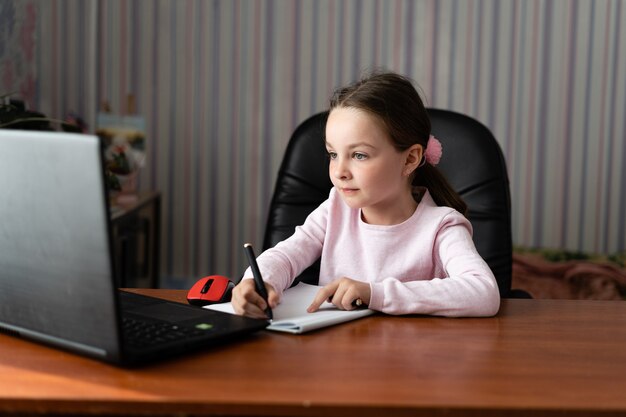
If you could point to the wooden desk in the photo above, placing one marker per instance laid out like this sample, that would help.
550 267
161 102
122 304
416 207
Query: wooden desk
537 357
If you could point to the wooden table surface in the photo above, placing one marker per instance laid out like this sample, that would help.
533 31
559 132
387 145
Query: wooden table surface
536 357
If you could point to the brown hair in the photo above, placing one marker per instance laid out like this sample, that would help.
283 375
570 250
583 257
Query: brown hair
395 101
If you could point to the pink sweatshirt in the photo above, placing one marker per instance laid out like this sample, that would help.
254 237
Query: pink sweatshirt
426 265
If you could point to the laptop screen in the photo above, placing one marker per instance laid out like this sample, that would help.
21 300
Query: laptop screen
56 280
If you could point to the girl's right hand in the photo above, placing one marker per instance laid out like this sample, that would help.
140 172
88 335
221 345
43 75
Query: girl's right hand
247 302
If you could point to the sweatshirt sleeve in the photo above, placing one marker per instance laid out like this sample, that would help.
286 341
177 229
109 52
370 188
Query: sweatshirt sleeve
285 261
463 285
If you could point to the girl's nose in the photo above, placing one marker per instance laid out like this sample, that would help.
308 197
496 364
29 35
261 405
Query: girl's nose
340 169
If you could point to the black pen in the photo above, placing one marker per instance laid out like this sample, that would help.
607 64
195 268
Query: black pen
258 279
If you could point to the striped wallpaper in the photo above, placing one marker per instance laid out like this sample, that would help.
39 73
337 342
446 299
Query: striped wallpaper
223 83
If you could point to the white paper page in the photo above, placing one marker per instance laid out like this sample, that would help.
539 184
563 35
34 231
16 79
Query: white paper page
291 315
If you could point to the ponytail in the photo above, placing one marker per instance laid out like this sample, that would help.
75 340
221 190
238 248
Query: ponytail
439 188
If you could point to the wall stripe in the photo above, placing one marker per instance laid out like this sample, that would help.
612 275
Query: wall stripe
610 200
566 140
621 195
586 128
542 108
621 229
223 83
604 162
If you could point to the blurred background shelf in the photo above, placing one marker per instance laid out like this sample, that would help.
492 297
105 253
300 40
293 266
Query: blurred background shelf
136 235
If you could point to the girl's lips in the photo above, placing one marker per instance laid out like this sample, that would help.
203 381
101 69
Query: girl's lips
349 190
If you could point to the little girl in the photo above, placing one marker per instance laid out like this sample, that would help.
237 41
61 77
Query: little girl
392 234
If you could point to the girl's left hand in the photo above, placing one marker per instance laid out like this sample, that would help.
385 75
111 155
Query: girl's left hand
343 293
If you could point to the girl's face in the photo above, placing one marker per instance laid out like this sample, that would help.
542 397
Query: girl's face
366 169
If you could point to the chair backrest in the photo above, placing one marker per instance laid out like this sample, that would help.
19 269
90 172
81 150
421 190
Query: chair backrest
472 161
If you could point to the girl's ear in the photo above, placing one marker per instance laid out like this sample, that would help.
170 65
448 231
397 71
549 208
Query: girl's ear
413 158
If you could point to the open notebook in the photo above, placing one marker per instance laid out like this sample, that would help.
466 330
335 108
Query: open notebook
291 316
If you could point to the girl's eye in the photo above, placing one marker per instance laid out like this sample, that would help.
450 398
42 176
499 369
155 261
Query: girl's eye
332 155
359 156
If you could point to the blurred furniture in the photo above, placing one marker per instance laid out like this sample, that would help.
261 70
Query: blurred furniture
535 358
136 237
472 161
13 115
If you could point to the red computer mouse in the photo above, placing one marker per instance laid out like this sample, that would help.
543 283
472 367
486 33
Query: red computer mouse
210 290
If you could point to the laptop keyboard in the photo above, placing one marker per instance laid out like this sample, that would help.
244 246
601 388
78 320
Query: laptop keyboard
140 333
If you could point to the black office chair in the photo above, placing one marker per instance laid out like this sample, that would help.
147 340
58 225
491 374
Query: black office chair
472 161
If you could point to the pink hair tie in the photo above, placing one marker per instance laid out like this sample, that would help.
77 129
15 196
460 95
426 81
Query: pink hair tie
433 151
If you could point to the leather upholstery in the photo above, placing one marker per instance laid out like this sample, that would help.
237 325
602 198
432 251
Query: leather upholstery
472 162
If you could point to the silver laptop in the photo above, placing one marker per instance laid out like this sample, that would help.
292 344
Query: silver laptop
57 283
